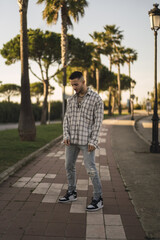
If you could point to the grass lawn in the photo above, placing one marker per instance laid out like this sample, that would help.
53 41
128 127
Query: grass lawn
13 150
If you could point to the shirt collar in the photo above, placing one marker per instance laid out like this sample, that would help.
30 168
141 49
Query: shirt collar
87 93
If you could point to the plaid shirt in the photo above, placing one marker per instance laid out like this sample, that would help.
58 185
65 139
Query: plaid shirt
82 123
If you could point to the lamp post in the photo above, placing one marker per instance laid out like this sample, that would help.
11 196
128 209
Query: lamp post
154 15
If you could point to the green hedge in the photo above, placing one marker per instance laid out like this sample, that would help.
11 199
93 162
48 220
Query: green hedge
56 110
9 111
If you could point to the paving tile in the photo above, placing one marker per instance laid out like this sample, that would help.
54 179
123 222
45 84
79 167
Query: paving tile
50 175
36 228
42 188
103 152
56 229
134 232
96 238
39 175
115 232
75 230
52 154
36 179
21 196
30 206
24 179
102 140
112 220
45 207
77 218
50 198
41 216
7 196
95 231
31 185
29 237
129 220
79 206
82 184
19 184
95 218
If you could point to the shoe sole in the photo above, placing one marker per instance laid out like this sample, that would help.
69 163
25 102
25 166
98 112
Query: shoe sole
94 210
72 200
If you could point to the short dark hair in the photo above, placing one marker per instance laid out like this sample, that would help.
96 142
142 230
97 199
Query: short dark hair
75 74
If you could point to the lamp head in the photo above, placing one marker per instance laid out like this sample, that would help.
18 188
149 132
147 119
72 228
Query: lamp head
154 15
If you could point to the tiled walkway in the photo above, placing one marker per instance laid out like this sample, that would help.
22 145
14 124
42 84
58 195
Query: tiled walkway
29 208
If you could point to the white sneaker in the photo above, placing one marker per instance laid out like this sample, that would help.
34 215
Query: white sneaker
95 205
69 197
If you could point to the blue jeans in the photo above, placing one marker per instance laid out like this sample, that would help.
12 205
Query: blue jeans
71 154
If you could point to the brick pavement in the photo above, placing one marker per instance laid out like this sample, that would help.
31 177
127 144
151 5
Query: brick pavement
29 208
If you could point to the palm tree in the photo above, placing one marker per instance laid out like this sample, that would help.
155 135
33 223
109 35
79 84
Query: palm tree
26 126
95 62
119 58
131 56
68 9
108 41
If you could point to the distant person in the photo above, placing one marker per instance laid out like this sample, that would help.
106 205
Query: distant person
81 126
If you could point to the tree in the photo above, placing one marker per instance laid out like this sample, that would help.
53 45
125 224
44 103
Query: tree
36 90
44 49
9 90
131 56
26 126
68 9
96 62
79 58
107 42
118 59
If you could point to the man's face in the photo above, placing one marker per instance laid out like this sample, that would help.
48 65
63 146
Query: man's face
77 85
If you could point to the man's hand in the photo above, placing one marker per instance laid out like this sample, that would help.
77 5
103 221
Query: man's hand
67 142
91 148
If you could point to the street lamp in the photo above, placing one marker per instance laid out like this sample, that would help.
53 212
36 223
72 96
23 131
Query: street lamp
154 15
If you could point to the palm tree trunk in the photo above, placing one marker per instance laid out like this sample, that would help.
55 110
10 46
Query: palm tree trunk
129 68
110 92
86 76
119 90
26 126
45 102
97 79
64 48
109 102
113 101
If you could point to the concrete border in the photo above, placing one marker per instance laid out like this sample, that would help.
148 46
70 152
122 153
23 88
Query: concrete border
11 170
136 131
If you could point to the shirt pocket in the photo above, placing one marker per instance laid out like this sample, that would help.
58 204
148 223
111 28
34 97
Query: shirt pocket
87 114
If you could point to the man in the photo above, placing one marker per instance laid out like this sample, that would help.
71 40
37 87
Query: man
81 128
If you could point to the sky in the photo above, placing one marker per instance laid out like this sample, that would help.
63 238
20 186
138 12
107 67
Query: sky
131 16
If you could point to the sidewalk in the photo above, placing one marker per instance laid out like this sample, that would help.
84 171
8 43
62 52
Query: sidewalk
5 126
144 128
29 209
140 171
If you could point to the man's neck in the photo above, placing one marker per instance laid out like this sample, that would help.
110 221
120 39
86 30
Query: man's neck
81 94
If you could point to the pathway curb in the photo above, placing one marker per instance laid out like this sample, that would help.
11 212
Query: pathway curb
136 131
11 170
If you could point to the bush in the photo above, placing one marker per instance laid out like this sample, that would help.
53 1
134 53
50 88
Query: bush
137 106
56 110
9 112
37 111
